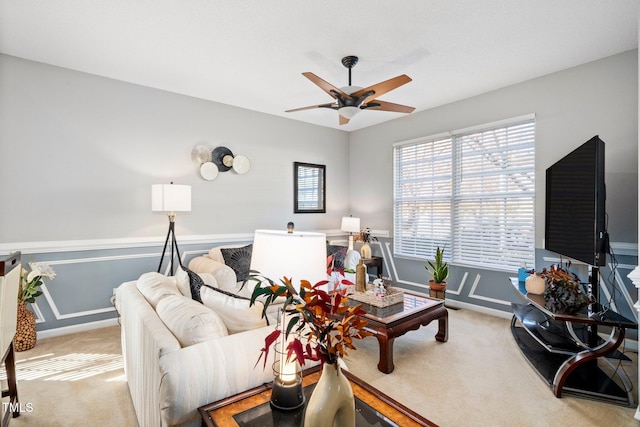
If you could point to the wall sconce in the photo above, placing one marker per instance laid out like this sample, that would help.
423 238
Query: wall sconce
220 159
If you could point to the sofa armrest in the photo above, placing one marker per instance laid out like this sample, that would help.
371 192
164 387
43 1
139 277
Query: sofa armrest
210 371
144 340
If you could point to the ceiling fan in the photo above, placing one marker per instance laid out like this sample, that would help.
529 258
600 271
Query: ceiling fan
351 99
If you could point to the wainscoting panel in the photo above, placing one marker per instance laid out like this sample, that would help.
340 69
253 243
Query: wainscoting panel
491 291
88 272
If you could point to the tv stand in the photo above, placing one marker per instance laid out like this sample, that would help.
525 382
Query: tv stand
564 351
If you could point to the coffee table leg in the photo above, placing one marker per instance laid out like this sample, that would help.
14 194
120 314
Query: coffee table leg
443 327
385 342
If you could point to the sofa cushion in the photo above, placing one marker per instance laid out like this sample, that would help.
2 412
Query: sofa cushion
224 275
156 286
189 321
239 259
235 311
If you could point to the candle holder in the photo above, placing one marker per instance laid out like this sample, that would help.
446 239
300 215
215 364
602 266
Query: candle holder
287 393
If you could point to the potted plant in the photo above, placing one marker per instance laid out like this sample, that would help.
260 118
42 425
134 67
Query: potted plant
30 282
323 326
439 270
563 292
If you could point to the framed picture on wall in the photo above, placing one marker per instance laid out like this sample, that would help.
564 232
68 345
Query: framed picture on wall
309 188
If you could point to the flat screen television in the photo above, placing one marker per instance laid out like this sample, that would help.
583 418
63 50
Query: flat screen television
575 224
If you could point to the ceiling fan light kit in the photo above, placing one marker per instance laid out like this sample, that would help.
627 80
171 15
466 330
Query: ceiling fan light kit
351 99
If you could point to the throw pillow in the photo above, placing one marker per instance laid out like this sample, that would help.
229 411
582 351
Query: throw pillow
189 321
239 259
155 286
225 276
351 260
339 253
195 283
183 281
235 311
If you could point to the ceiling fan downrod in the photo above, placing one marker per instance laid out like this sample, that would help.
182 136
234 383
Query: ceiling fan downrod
349 62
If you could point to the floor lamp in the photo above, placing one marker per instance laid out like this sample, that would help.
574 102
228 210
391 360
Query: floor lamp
170 198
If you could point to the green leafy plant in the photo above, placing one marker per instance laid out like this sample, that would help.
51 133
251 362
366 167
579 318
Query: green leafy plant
322 323
438 268
30 281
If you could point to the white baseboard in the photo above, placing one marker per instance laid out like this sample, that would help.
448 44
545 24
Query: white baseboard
473 307
77 328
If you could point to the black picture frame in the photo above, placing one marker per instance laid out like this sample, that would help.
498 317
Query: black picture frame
309 188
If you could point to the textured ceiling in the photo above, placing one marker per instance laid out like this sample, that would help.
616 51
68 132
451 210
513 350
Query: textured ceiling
251 53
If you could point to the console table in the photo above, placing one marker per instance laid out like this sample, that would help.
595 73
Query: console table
374 261
565 349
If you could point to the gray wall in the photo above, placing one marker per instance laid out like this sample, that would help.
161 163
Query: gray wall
570 107
81 153
78 156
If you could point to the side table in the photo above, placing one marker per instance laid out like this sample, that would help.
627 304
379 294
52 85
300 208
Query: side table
374 261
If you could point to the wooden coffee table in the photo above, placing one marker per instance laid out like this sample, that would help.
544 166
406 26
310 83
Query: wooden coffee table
394 321
251 408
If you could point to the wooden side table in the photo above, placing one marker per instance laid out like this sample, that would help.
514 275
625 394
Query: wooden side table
374 261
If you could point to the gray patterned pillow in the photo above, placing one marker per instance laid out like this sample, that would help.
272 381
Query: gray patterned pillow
239 259
339 253
195 283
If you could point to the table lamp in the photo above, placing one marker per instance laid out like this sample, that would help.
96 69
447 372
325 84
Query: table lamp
170 198
296 255
350 225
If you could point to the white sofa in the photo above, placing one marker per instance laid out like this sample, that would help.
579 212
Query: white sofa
168 380
170 375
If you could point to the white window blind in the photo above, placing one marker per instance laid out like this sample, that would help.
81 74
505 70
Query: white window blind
310 188
472 192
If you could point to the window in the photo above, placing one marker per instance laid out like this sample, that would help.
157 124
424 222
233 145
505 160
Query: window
308 188
471 191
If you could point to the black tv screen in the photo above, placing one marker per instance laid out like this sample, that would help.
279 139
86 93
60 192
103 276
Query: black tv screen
575 224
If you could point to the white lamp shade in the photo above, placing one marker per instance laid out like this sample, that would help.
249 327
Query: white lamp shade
350 224
297 255
170 198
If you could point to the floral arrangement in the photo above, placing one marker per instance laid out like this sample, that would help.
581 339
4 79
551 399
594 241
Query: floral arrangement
365 236
563 293
323 324
31 281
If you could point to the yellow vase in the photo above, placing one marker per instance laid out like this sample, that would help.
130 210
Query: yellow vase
365 250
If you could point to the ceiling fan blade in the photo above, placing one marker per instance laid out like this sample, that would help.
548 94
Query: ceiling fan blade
324 85
382 87
376 104
343 119
332 106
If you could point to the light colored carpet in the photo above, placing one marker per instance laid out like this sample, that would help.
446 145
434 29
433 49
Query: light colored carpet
74 380
478 378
